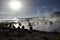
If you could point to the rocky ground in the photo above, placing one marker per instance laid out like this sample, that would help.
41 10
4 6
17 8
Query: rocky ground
28 35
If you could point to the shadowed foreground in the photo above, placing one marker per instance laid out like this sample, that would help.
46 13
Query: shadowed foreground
28 35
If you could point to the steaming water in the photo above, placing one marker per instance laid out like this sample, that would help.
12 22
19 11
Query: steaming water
39 24
42 26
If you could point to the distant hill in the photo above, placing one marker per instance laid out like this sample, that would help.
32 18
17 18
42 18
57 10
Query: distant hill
55 14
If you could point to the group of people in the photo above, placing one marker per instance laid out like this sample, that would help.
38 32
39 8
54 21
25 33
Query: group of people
11 26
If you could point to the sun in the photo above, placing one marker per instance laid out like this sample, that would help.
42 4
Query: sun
15 5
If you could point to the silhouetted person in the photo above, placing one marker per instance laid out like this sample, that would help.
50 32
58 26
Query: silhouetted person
51 22
18 28
13 27
23 27
10 29
30 26
10 25
19 24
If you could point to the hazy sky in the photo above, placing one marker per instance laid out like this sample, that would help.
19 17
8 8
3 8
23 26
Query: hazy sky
29 8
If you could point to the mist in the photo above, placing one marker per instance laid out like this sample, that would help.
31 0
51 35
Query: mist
43 23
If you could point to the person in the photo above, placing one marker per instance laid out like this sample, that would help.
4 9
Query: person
18 28
23 27
30 26
13 27
51 22
10 25
19 24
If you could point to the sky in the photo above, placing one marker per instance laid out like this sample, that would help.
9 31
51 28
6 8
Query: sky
30 8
